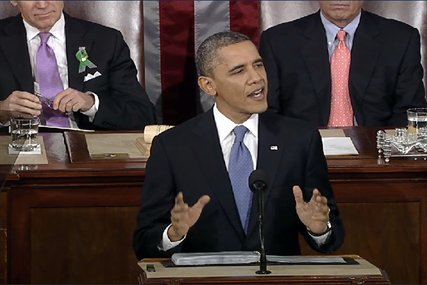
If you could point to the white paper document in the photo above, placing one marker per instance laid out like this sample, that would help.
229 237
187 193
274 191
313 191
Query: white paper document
222 257
338 146
65 128
306 259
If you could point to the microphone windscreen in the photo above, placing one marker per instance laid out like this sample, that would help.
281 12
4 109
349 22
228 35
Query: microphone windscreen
258 180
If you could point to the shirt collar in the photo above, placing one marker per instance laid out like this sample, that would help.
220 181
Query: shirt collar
225 126
57 31
332 30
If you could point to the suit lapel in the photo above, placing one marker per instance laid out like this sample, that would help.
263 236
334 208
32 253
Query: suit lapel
317 63
364 55
15 49
208 152
270 150
74 32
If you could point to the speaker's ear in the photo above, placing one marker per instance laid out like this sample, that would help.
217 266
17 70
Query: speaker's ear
207 85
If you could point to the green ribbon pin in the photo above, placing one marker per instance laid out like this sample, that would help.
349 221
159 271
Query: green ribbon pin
83 58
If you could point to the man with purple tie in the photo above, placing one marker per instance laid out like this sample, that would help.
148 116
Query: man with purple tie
72 72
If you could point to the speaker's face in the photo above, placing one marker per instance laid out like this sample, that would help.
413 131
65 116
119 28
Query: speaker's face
40 14
240 81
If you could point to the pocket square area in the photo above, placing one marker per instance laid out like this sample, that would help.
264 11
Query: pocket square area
91 76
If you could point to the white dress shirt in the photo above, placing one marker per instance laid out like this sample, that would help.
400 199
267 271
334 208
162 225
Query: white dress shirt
332 30
226 135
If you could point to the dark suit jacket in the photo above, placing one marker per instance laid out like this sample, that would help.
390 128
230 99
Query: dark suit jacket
123 102
189 158
385 73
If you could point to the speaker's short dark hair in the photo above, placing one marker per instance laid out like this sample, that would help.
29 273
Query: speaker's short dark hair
206 54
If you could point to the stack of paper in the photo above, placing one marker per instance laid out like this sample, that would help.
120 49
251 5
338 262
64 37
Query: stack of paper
223 257
338 146
305 259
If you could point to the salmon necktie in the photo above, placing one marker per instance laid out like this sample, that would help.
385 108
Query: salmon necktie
341 110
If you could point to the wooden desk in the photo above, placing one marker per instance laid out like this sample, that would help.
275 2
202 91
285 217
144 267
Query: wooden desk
362 272
72 222
384 209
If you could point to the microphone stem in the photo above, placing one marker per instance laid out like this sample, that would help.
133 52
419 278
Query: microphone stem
263 257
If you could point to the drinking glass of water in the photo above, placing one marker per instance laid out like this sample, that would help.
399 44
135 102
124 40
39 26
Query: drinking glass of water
24 134
417 119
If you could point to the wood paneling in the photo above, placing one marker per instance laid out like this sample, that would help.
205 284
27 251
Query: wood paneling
386 234
73 234
88 241
3 238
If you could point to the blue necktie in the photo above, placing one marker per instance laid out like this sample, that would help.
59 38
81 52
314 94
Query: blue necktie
239 168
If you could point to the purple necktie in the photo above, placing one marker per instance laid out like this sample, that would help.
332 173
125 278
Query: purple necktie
240 167
49 81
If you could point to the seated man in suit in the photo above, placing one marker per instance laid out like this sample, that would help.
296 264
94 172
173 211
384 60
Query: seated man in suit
73 72
196 196
343 66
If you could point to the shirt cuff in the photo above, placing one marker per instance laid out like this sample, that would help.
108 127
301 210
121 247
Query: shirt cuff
321 239
92 111
166 243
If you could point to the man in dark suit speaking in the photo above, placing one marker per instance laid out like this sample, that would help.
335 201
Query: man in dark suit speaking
375 78
196 196
81 72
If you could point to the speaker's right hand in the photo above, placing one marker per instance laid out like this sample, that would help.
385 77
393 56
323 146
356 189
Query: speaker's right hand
183 217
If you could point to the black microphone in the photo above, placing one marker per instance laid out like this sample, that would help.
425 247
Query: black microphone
258 180
258 183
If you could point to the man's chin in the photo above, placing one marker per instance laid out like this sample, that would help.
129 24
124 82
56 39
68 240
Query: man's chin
259 109
45 23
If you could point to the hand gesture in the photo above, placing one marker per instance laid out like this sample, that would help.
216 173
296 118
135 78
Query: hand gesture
183 217
313 214
20 104
71 100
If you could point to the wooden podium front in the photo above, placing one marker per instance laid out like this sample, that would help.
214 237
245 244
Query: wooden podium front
71 204
156 271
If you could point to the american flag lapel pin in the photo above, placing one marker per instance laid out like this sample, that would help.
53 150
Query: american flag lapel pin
274 147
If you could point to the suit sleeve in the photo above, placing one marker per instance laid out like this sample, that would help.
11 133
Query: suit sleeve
317 177
272 70
158 198
409 91
123 104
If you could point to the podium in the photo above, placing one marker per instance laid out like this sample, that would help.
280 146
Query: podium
159 271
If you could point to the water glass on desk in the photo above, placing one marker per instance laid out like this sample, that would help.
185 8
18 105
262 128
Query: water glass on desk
417 119
24 133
